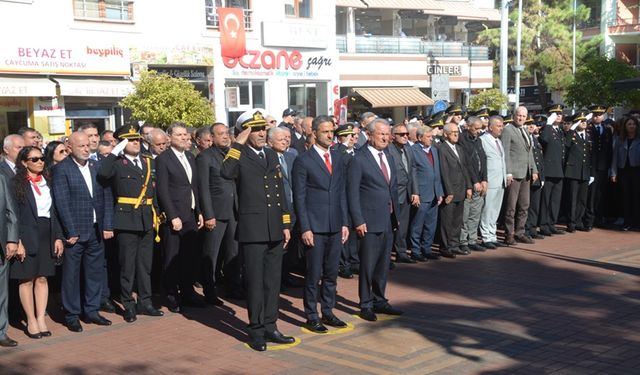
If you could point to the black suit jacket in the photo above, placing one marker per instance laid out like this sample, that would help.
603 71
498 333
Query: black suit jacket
578 161
538 158
553 147
218 199
455 179
28 223
173 187
6 171
407 180
602 147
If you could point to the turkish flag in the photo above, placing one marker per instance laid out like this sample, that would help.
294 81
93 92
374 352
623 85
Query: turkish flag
340 110
232 38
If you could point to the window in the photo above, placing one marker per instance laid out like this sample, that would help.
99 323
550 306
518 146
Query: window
309 98
297 8
112 10
247 95
212 16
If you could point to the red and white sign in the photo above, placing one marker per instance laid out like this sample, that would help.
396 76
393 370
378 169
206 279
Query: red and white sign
260 63
74 58
340 109
232 37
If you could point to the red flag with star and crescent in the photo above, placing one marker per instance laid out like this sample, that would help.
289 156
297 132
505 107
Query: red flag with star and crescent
232 38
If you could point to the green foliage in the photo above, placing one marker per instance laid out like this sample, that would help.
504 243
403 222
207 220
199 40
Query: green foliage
593 84
547 41
492 99
160 99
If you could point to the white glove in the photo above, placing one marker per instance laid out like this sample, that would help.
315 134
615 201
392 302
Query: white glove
461 123
575 125
120 147
541 183
589 116
591 179
552 118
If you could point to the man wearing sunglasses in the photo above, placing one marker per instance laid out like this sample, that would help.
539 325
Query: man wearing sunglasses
407 189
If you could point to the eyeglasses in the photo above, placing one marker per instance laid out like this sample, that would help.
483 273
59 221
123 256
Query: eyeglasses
402 134
36 159
63 151
258 129
273 122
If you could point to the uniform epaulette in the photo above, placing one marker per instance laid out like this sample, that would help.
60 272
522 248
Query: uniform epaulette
233 153
286 219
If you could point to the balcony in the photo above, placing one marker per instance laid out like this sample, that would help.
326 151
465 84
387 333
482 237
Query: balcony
213 20
413 46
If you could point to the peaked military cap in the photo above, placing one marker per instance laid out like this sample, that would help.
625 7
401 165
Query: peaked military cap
345 129
540 118
555 108
482 112
127 132
529 120
597 108
508 119
580 115
252 118
454 109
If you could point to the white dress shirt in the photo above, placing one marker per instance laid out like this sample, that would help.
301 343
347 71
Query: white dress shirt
376 157
182 158
86 175
43 200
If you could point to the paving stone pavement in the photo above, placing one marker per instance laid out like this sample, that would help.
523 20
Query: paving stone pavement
566 305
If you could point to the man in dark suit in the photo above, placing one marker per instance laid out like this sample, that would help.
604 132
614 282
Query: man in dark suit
129 174
319 181
11 146
457 186
553 148
372 193
601 157
407 188
535 192
425 221
219 205
85 208
8 248
288 121
579 172
177 190
263 225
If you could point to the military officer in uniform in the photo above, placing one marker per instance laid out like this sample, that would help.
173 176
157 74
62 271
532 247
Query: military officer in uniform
578 171
129 173
263 224
535 193
552 141
601 157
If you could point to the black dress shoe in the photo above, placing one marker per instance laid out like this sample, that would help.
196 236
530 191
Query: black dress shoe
536 236
107 306
405 259
74 326
345 274
130 315
489 245
8 343
99 320
258 345
500 244
465 248
571 229
46 333
447 254
149 310
333 321
387 309
368 314
555 230
278 338
546 232
584 229
214 300
461 251
35 336
475 247
432 256
418 258
355 269
316 326
172 304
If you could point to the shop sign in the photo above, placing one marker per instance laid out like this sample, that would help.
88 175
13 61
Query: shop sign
192 74
450 70
281 63
11 103
293 34
76 58
47 107
173 55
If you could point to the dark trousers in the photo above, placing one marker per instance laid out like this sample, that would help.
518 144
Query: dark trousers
222 237
349 256
322 272
263 263
451 224
292 258
375 256
517 207
629 181
110 275
578 191
533 215
400 235
597 199
181 255
551 200
423 228
89 256
136 255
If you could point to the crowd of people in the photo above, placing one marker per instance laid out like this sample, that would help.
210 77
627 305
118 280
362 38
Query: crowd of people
243 209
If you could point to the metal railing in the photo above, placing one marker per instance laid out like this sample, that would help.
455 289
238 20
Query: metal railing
415 46
616 21
214 21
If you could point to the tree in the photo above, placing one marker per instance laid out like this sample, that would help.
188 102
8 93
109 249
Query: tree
593 84
547 40
161 99
492 99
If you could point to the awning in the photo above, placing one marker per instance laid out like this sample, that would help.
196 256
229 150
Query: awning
394 97
391 4
626 84
36 86
110 88
465 10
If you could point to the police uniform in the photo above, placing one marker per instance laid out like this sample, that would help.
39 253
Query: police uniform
262 217
601 157
552 140
535 193
437 121
134 221
577 172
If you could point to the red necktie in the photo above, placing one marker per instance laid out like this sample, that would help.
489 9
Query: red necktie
34 182
327 162
383 167
430 156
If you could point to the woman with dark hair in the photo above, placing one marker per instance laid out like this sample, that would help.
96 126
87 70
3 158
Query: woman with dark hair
40 239
625 170
54 153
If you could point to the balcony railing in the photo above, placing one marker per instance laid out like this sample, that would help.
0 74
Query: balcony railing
631 21
414 46
214 21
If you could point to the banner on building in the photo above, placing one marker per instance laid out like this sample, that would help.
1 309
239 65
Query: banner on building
232 37
340 110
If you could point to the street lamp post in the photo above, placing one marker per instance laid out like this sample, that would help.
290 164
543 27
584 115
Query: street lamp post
518 68
504 47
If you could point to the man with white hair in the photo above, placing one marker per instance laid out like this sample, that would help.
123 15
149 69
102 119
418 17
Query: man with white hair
11 146
157 141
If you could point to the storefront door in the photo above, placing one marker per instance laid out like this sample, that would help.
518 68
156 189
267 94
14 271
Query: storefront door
310 98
